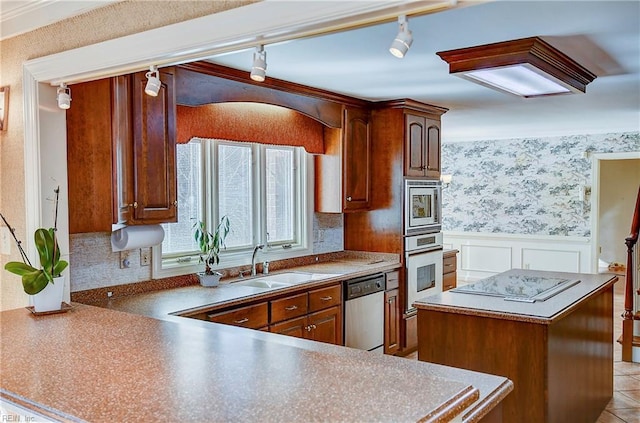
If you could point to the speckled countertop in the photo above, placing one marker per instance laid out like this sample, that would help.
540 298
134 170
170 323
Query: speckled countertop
100 365
164 302
544 312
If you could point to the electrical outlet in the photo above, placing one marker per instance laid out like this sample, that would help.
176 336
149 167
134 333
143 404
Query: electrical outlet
5 240
145 256
526 266
125 261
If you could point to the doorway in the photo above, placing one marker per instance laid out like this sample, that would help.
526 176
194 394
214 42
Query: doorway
616 177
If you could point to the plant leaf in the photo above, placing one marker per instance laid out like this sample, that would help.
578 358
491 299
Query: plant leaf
19 268
44 245
34 282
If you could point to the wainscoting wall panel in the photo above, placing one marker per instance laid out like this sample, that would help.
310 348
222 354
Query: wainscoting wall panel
482 255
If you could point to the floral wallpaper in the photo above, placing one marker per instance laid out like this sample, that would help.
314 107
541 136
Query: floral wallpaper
524 186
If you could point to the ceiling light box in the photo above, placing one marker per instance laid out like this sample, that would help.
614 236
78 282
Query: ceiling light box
529 67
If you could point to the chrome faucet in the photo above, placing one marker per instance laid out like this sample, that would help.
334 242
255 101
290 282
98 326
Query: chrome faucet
253 258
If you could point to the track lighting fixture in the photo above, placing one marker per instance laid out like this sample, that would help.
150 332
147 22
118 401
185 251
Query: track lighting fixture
153 81
64 96
259 68
403 40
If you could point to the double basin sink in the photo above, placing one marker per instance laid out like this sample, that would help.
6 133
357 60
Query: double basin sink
281 280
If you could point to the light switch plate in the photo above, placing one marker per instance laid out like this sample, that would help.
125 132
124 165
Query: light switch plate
5 240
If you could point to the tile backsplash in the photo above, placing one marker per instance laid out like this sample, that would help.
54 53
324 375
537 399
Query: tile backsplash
94 265
524 186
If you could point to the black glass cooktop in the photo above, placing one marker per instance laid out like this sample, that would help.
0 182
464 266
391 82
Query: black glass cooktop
518 287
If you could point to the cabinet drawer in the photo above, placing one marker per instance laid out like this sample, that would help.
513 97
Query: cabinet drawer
392 280
289 307
449 281
449 265
325 297
254 316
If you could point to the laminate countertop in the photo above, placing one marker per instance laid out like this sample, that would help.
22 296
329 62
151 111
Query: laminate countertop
174 301
100 365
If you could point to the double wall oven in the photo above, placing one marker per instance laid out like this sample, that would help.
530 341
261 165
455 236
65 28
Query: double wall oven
423 239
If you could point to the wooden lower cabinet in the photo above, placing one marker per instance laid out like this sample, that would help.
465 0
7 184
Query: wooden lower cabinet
314 314
326 326
449 269
411 334
294 327
391 322
254 316
321 326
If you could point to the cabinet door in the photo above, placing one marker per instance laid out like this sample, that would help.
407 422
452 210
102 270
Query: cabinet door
154 137
432 149
391 322
325 326
294 327
356 159
415 145
89 153
411 333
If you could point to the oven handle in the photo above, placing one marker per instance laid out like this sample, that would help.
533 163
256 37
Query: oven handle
421 251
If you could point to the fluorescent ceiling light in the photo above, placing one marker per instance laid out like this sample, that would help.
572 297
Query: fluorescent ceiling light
519 80
529 67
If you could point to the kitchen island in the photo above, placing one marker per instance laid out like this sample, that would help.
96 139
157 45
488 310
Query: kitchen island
550 333
100 365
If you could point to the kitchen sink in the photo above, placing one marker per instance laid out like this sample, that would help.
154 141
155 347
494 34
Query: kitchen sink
260 283
280 280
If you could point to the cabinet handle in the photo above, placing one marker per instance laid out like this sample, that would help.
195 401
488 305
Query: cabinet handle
134 205
389 301
349 198
308 328
327 298
448 265
291 308
245 320
313 326
175 203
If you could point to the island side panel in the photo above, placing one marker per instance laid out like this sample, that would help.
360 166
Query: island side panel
581 361
509 348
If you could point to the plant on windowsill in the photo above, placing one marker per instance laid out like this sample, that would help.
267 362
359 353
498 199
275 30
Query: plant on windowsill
210 245
45 284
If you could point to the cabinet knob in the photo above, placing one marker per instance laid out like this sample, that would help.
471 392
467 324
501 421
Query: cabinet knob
308 328
175 203
349 198
134 205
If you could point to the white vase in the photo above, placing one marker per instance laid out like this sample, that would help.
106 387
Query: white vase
50 298
209 280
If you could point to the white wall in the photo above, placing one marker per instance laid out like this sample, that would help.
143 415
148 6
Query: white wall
619 181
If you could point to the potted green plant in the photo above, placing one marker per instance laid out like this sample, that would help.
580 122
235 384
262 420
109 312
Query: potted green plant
210 245
45 284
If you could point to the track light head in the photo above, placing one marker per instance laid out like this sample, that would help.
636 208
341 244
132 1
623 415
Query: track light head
259 68
403 40
153 82
64 96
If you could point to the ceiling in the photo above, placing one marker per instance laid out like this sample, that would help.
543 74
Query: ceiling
20 16
601 35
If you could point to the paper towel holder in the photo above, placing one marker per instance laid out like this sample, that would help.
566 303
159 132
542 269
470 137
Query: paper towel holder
135 237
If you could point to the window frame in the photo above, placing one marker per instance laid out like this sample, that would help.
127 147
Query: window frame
182 264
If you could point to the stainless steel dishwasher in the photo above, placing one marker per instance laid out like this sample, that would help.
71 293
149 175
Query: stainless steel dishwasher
364 313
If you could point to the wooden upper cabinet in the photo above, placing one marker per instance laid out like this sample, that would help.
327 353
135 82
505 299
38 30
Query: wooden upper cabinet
422 144
153 180
121 153
356 159
343 172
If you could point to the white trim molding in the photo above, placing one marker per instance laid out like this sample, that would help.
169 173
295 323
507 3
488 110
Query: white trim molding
485 254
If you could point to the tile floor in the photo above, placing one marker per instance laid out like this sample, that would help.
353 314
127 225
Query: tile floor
624 407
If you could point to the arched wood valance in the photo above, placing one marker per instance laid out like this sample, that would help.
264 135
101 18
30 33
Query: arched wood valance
252 122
